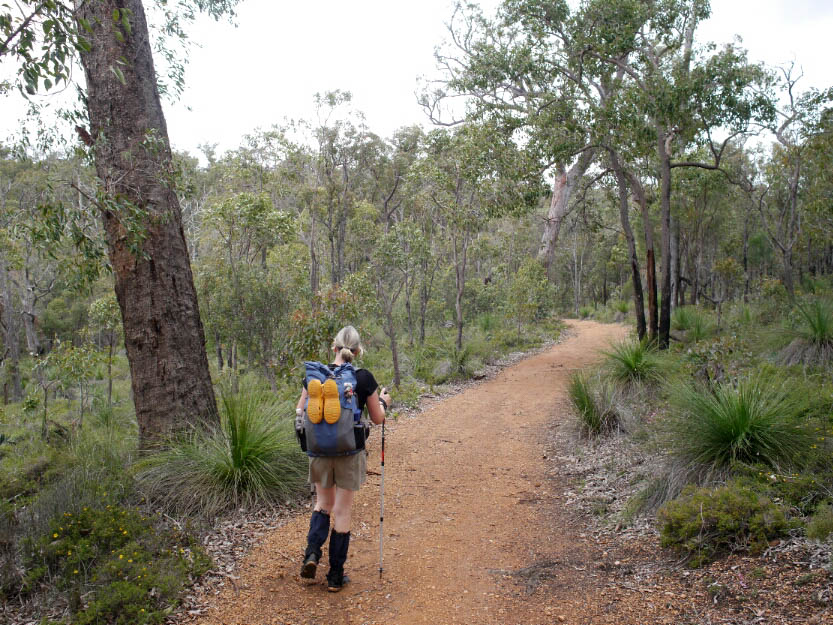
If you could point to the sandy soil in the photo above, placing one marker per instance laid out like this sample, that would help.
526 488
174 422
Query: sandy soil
468 507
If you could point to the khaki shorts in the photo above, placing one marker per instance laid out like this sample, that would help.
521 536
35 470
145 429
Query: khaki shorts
347 472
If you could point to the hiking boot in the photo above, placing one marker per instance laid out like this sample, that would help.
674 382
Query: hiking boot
339 543
319 527
315 406
309 566
332 403
336 581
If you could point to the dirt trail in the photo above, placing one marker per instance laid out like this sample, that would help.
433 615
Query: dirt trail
466 497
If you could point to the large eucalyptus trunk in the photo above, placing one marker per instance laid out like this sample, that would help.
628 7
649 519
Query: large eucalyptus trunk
163 334
563 188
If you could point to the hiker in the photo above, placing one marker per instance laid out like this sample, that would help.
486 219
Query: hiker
333 435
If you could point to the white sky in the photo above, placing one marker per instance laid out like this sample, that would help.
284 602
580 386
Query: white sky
281 53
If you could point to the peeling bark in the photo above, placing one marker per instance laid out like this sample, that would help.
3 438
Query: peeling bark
562 190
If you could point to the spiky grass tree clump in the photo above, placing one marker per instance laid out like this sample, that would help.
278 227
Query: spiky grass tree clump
701 328
683 318
595 401
813 343
251 459
756 422
632 362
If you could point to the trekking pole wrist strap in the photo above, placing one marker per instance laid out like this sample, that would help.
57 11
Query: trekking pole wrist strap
384 403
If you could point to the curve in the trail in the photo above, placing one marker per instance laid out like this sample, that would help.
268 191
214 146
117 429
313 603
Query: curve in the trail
466 497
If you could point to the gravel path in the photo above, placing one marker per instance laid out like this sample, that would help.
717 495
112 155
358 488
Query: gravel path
469 524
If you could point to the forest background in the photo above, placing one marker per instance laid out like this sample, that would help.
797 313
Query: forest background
608 163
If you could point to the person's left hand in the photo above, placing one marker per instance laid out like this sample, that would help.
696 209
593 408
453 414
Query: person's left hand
385 396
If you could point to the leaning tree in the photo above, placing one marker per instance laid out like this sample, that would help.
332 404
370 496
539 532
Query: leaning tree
135 193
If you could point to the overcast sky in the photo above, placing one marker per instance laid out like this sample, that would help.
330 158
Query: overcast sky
281 53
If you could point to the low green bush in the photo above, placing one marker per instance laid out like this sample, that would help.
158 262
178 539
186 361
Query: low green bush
703 523
253 458
631 362
757 421
622 306
596 403
801 491
820 525
115 565
585 312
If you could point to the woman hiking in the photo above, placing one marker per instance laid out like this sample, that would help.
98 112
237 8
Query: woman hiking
330 407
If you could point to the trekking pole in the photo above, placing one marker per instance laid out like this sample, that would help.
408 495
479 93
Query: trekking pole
382 501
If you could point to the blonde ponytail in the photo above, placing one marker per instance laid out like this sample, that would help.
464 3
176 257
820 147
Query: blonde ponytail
348 343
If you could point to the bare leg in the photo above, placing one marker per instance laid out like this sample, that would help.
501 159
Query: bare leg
342 508
325 498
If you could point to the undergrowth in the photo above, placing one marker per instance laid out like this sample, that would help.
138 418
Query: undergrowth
252 459
596 404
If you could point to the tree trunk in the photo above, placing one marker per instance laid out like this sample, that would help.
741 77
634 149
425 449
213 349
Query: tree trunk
650 260
624 207
29 316
390 330
746 253
663 141
110 372
218 346
460 279
163 333
675 260
562 190
11 340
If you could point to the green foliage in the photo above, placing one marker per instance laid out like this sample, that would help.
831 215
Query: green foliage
129 569
313 327
105 314
701 328
529 295
813 344
253 459
757 421
683 318
585 312
595 401
621 306
704 523
631 362
820 526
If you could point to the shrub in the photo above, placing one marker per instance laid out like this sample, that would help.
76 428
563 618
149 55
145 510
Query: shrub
705 522
683 318
595 401
621 306
820 526
630 362
126 569
813 344
701 327
585 312
756 422
253 458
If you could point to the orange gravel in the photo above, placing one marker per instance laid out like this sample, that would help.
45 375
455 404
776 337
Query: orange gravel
467 500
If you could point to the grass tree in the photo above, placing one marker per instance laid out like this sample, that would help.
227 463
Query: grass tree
813 342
